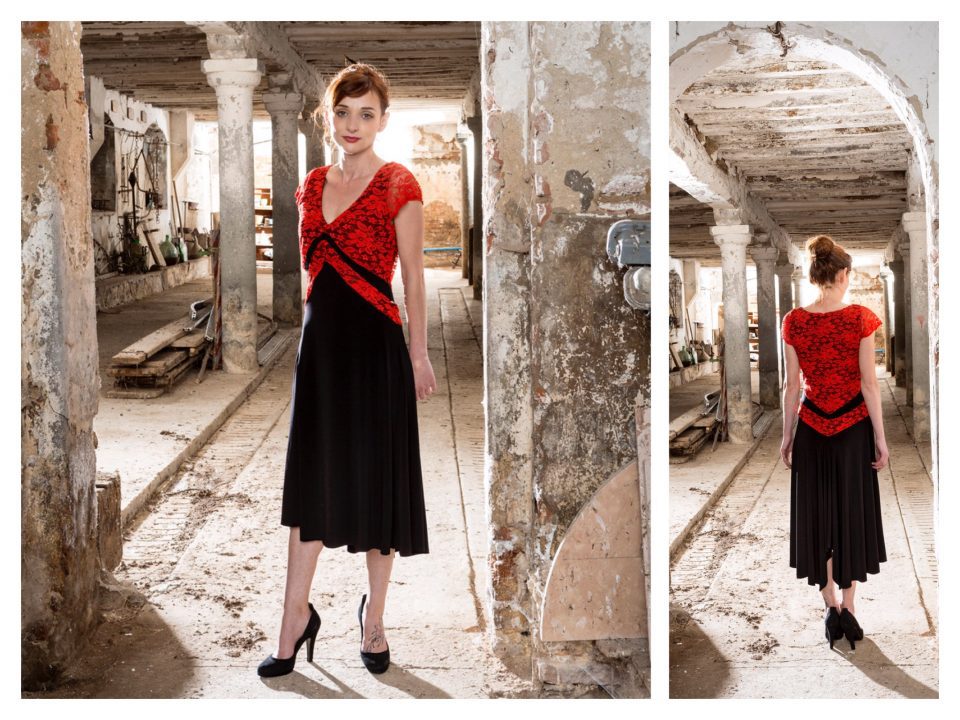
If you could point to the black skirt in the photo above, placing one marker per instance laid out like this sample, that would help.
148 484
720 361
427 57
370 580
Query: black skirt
835 505
352 472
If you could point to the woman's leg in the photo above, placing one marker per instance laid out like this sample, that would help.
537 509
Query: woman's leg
379 567
848 594
301 564
829 591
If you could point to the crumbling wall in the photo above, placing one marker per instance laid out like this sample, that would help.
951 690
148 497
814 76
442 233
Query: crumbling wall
866 288
58 362
566 154
126 114
436 163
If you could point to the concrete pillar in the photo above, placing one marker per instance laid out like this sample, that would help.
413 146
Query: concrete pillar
899 323
784 272
284 107
733 241
234 80
59 367
764 259
465 256
476 232
915 223
886 277
904 249
313 133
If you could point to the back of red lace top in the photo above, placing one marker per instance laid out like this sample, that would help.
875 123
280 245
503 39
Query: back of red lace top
364 231
828 348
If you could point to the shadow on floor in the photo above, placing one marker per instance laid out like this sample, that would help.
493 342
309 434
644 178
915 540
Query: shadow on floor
870 660
697 668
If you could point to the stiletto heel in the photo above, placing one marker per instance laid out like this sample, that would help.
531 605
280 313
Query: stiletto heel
375 662
832 627
273 667
851 628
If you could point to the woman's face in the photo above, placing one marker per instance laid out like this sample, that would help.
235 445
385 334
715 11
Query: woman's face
356 122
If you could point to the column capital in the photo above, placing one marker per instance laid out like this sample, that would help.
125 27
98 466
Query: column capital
903 247
278 102
784 270
914 222
797 273
731 234
764 254
896 266
233 72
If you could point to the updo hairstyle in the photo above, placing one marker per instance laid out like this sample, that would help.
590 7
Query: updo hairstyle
827 258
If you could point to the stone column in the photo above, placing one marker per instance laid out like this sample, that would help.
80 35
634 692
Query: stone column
764 259
784 273
915 223
283 108
733 241
904 249
886 277
313 133
899 323
59 368
234 80
465 256
798 287
476 233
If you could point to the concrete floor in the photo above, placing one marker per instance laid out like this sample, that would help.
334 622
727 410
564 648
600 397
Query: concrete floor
196 604
742 625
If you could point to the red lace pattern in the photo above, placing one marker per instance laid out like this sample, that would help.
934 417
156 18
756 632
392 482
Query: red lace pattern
828 348
364 231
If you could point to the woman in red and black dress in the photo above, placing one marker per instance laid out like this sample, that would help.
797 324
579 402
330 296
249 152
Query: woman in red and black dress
353 475
836 536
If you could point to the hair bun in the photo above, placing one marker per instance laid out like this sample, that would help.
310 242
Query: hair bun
821 248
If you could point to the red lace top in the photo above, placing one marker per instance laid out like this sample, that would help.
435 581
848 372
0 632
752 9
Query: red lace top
828 347
361 238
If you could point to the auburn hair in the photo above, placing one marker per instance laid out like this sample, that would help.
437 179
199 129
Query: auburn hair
827 258
355 81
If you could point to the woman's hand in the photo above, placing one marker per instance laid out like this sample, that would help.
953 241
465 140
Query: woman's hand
786 451
423 377
882 453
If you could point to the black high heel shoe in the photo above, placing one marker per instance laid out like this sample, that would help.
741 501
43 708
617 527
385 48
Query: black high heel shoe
851 628
274 667
832 627
375 662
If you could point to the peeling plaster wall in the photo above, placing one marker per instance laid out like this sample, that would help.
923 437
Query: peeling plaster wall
866 288
436 163
58 362
106 224
566 153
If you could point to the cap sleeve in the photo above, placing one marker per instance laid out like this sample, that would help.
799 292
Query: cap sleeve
869 322
786 331
403 189
302 187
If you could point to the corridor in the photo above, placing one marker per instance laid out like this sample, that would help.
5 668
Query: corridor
197 601
742 625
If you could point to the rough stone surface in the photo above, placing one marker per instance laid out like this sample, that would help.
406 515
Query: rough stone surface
234 80
559 167
58 361
764 258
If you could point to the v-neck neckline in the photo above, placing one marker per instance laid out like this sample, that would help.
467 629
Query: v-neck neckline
347 209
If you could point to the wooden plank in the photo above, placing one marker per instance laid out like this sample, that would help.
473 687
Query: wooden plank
687 439
167 380
153 343
154 367
191 340
135 393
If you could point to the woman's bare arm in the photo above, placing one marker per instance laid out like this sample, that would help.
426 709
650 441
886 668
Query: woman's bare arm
871 395
791 401
409 225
